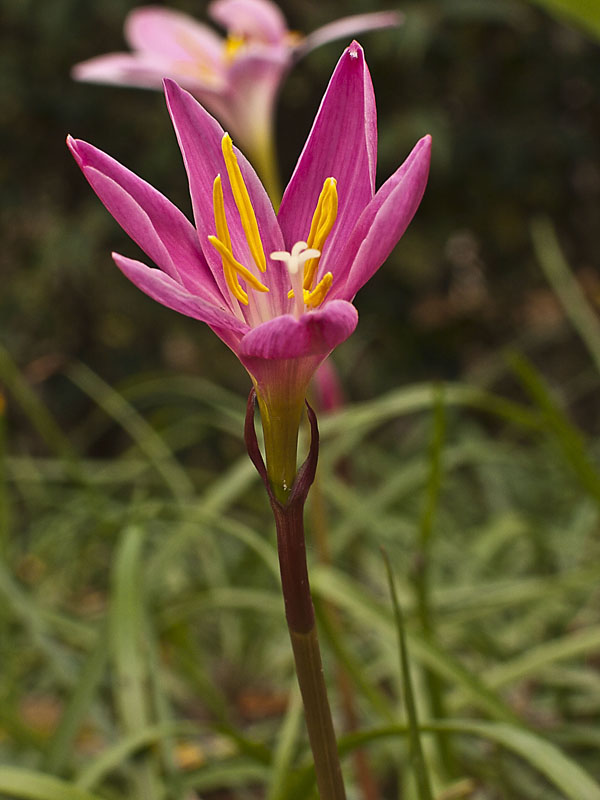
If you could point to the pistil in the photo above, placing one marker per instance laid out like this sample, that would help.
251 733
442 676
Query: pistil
293 261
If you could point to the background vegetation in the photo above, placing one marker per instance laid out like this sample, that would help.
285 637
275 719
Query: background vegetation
143 651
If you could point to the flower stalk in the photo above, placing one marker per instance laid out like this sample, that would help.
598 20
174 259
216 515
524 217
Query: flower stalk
299 609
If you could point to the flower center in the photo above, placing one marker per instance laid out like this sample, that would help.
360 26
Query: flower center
301 262
233 44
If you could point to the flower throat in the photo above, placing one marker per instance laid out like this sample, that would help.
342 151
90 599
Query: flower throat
301 262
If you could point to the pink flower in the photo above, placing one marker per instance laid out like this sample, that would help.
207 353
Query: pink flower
276 289
236 78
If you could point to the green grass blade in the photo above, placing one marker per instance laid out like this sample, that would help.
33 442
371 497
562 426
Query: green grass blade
567 436
39 416
344 654
146 438
421 771
116 755
582 642
60 749
4 501
349 595
422 567
126 630
547 759
30 785
286 742
584 13
550 257
559 769
363 417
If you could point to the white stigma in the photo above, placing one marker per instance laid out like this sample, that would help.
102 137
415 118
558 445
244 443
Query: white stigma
301 253
294 263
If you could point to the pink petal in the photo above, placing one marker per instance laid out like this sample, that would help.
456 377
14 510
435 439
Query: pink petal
154 223
122 69
382 224
342 144
173 36
349 27
315 333
147 71
199 137
165 290
258 20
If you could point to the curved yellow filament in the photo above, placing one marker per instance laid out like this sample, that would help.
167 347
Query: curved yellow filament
230 264
316 297
225 239
320 227
243 203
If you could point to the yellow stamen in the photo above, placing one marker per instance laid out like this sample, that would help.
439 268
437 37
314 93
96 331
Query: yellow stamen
244 206
316 297
231 266
232 45
219 212
321 225
225 239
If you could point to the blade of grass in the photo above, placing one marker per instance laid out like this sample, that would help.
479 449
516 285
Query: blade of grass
556 269
78 706
286 743
126 627
422 572
363 417
563 772
30 785
349 595
115 755
585 13
568 438
234 773
4 503
142 433
419 765
582 642
377 700
39 416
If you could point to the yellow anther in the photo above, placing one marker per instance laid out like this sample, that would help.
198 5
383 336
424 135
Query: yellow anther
225 239
316 297
321 225
232 45
243 203
232 268
219 212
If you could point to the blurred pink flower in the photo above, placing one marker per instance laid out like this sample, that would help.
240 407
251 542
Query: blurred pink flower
328 393
276 289
236 78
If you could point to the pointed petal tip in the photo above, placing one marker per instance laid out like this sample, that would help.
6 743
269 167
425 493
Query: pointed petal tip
75 146
424 144
354 51
423 149
169 85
